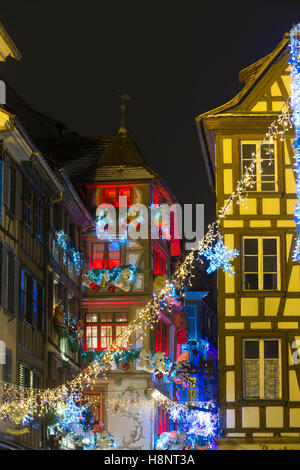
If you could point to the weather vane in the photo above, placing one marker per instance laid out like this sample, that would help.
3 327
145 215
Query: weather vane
124 97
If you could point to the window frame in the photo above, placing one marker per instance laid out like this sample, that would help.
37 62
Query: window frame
98 324
261 341
38 216
10 270
260 256
99 395
160 262
258 144
27 204
117 188
104 243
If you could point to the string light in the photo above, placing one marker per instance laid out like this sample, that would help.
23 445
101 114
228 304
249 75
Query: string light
63 242
295 104
37 401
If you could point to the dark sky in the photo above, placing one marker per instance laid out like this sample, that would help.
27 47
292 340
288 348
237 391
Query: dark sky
175 59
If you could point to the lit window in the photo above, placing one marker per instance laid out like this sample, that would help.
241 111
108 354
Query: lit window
94 399
261 368
261 263
91 333
106 329
106 255
111 196
159 263
192 390
265 177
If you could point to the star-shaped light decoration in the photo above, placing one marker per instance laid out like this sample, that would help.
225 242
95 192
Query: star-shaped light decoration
219 256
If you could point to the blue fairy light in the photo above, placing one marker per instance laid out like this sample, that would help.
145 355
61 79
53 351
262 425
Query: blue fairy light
219 256
295 104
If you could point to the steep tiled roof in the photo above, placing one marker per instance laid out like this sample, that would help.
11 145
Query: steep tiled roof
93 159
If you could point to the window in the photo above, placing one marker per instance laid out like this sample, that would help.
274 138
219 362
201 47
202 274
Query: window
1 260
31 300
95 399
162 337
261 369
111 196
27 377
261 263
106 254
10 281
38 217
56 215
40 308
159 262
12 188
192 390
265 166
104 329
27 202
163 420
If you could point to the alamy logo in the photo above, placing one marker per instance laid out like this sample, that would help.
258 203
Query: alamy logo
296 354
156 221
2 352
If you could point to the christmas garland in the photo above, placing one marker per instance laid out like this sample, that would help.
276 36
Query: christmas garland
69 328
121 277
75 420
63 242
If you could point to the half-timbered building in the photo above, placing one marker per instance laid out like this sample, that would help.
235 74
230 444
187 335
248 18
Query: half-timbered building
259 305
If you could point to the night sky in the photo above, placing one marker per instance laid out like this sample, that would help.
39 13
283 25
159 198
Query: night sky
175 59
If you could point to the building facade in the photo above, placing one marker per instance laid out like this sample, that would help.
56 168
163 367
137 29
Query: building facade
259 305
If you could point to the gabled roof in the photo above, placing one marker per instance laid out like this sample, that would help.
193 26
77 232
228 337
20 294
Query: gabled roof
7 47
99 159
250 76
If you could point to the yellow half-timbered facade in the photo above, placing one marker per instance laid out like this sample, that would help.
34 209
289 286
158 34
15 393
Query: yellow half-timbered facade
259 305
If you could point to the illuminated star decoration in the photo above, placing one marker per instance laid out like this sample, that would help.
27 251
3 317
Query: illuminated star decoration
219 256
295 104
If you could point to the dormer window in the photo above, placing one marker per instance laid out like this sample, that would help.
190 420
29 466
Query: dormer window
112 195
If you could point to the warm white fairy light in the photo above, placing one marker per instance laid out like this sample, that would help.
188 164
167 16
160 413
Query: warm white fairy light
21 399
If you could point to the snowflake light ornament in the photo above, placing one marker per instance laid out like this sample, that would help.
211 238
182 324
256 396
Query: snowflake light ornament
219 256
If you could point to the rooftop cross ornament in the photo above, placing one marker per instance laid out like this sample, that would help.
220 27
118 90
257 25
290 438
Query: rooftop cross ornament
123 97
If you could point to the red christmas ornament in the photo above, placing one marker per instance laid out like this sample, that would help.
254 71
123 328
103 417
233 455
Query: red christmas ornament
94 286
111 289
159 375
125 366
98 427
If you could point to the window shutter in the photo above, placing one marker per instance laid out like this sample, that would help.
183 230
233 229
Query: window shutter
18 195
21 375
6 180
251 376
1 276
17 287
4 276
7 367
29 299
40 308
10 281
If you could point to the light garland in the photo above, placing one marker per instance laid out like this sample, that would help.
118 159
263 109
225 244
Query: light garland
219 256
63 242
148 316
295 104
121 277
69 328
